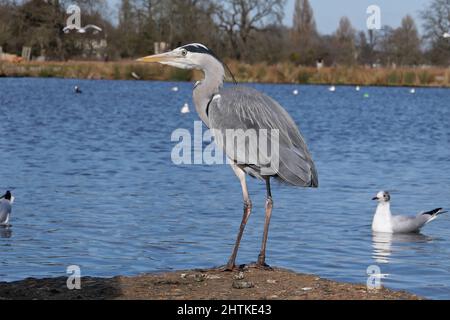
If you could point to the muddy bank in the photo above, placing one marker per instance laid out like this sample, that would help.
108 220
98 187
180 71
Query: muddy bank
251 284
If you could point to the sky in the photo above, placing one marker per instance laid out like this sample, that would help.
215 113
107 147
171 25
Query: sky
328 12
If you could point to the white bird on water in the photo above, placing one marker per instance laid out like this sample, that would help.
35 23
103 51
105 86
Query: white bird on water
175 89
332 89
358 88
185 109
384 221
6 202
295 92
413 91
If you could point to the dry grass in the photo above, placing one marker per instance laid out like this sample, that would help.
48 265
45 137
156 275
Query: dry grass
278 73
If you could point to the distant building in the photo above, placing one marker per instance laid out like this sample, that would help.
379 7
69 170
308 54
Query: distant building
93 48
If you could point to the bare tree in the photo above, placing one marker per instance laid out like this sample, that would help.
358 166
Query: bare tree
344 43
239 18
436 22
405 43
304 33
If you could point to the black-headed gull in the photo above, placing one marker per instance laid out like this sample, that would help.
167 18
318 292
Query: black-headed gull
384 221
6 202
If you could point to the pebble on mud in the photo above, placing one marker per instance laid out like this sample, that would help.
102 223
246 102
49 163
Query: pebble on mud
243 285
239 276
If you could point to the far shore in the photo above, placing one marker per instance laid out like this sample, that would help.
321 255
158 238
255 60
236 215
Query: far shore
282 73
247 284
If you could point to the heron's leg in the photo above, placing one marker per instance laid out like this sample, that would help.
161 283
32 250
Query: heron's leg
269 207
247 211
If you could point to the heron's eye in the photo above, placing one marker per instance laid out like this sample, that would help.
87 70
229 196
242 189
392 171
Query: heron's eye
184 52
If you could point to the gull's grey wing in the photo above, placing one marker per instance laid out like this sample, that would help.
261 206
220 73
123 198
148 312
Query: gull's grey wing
5 211
245 108
405 224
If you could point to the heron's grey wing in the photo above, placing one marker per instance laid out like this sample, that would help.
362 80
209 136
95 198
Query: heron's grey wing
246 109
405 224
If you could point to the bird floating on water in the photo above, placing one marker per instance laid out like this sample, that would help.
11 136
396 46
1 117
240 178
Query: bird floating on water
77 89
332 89
412 91
358 88
384 221
6 202
175 89
95 29
240 108
185 109
295 92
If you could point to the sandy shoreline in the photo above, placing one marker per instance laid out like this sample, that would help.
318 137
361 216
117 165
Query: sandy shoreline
252 284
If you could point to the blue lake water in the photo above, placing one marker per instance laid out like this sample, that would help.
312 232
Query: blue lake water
95 185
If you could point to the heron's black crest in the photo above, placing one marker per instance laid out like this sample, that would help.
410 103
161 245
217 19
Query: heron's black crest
199 48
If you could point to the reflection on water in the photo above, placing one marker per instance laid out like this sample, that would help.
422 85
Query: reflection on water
5 232
384 244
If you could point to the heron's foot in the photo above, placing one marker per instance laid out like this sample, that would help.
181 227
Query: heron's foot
228 268
259 266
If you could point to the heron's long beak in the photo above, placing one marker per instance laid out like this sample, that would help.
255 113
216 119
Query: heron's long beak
3 196
376 198
157 58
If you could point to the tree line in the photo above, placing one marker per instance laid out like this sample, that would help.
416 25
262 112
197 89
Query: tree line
246 30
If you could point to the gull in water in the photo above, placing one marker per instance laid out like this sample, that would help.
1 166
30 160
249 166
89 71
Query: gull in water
175 89
77 90
384 221
413 91
185 109
6 202
295 92
332 89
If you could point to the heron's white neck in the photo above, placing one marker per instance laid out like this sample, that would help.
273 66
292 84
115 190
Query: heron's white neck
382 220
208 87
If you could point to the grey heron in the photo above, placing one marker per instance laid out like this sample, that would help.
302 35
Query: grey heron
384 221
243 108
6 202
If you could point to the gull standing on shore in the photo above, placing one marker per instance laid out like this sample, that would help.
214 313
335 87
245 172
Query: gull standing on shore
384 221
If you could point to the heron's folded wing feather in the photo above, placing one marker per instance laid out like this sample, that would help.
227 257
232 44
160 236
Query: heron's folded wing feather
246 108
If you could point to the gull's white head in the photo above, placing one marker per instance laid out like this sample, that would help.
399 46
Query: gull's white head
383 197
191 56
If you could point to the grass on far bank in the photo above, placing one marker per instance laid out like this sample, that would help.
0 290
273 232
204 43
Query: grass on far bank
261 73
